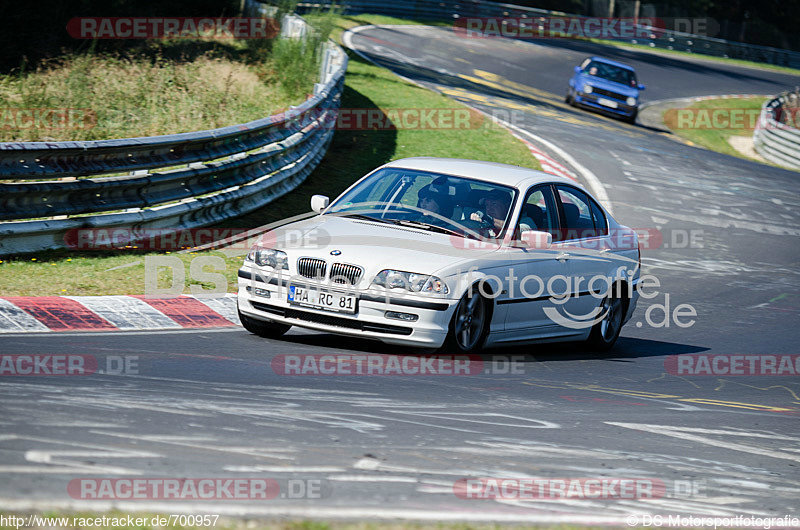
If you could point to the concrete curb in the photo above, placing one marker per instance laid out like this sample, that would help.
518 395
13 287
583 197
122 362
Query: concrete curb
42 314
549 164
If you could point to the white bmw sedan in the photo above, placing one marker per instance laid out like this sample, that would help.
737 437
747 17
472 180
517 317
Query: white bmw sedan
447 253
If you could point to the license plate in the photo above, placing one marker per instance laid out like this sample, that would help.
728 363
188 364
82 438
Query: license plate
341 303
607 103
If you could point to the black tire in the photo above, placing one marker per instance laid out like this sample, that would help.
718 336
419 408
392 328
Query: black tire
268 330
606 332
469 326
632 118
570 100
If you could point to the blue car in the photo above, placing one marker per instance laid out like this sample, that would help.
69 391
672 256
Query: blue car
607 86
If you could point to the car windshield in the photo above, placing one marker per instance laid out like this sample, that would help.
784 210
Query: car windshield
442 203
611 73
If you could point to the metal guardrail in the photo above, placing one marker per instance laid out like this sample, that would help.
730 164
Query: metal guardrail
659 38
175 181
774 140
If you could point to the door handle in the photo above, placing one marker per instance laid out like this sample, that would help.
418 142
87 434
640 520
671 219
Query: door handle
562 257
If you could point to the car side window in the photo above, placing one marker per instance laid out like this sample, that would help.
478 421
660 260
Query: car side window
539 212
577 217
599 218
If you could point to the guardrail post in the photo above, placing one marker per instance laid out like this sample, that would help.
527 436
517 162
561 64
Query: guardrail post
293 27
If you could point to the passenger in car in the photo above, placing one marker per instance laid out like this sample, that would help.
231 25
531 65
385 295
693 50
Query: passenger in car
434 200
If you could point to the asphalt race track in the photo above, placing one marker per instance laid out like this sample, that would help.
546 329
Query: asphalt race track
209 404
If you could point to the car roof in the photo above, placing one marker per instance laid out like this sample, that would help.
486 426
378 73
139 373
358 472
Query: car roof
505 174
615 63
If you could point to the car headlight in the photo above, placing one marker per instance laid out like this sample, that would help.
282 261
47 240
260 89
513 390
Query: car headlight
417 283
631 101
587 89
268 257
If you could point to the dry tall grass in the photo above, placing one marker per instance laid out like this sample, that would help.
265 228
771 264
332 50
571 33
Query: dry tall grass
137 96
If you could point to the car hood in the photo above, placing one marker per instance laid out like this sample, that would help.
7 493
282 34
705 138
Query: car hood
374 246
605 84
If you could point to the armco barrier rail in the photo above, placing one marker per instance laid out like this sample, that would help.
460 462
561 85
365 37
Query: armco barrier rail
176 181
774 140
658 38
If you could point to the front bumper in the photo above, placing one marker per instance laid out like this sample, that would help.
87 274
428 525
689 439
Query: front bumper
369 320
590 101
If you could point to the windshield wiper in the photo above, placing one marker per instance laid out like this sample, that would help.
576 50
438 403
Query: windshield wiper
411 224
427 226
365 217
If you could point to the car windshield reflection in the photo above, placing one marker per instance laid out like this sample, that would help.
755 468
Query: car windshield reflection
425 200
611 72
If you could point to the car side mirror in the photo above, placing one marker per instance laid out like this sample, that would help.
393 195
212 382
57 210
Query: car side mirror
577 69
536 239
319 203
641 87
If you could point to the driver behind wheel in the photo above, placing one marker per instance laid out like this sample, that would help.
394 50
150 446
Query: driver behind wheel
495 205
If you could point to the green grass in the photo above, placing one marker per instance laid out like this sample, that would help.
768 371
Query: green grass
739 62
123 97
696 122
352 154
94 273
